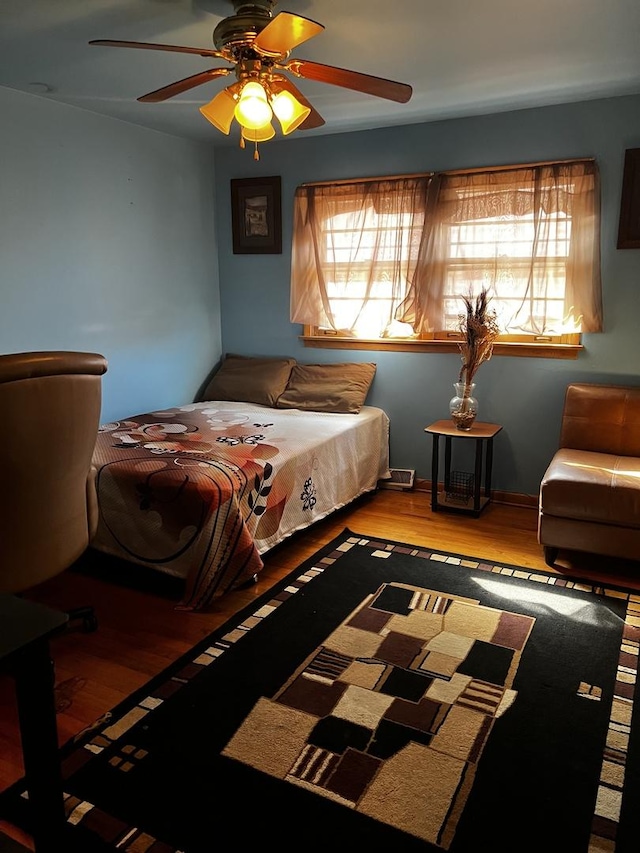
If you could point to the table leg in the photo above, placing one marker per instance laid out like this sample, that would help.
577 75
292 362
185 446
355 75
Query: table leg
488 467
447 463
478 476
434 473
34 680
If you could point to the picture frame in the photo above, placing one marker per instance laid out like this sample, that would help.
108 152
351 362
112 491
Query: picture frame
256 215
629 225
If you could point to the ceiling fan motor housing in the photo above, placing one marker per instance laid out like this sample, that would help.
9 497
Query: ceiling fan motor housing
258 7
240 30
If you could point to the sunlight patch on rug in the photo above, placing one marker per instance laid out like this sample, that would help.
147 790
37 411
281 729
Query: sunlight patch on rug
406 698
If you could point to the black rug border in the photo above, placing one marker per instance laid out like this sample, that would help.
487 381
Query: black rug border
485 565
132 699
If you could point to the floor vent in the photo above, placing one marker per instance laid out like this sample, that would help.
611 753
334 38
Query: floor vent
401 478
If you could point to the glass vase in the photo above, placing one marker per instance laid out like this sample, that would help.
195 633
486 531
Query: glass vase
464 406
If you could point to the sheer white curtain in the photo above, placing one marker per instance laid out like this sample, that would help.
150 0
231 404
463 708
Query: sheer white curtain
355 250
530 236
392 257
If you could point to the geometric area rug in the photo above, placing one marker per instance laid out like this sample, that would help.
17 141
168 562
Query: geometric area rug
381 697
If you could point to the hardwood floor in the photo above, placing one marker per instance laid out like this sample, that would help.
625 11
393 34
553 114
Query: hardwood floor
139 631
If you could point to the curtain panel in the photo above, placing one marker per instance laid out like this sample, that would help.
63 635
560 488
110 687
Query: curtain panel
528 235
355 250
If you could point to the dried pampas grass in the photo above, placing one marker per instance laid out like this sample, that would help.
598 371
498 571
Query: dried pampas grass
479 328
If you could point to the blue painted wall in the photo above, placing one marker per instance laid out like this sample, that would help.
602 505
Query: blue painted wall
108 244
525 395
117 239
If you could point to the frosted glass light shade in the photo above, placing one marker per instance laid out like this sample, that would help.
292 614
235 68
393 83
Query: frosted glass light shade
220 110
253 111
261 134
289 111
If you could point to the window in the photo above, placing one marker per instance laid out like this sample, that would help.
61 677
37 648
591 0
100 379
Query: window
356 247
387 260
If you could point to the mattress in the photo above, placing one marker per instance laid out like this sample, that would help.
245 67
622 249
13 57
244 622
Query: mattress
201 491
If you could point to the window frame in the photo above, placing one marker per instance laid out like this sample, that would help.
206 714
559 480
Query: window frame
559 346
563 346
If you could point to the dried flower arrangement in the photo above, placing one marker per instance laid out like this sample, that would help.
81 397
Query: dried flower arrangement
479 329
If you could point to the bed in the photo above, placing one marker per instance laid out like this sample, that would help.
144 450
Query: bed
202 491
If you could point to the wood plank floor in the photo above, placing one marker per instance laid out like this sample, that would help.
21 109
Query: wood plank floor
140 632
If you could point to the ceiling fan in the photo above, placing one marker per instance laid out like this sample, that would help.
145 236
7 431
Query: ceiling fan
257 46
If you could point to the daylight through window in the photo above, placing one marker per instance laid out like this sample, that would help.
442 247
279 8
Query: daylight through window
390 258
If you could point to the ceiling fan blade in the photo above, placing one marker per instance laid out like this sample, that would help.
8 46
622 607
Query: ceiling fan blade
314 119
285 32
180 86
378 86
174 48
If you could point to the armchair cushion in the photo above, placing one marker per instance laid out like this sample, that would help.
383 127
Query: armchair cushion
597 487
589 496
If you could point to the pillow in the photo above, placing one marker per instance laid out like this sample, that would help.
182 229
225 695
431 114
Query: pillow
328 387
244 379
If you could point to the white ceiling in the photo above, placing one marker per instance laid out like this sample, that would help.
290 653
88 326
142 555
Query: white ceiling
462 57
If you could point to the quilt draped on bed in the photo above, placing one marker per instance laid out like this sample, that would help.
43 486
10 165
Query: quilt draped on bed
201 491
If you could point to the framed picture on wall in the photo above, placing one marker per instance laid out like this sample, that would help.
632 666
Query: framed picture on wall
256 213
629 226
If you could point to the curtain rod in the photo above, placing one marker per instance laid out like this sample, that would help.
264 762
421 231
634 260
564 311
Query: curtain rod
481 169
477 170
364 180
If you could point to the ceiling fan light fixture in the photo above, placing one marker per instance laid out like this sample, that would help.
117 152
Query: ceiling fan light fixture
252 110
220 111
257 45
262 134
289 111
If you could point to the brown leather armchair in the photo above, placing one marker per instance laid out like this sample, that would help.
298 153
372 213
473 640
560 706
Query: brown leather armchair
50 404
590 493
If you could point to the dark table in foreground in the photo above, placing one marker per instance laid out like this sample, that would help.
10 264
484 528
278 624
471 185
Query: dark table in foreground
25 630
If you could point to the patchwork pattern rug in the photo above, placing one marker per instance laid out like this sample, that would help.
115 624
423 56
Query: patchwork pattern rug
384 696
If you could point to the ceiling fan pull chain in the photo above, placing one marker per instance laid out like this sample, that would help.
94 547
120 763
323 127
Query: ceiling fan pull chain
256 153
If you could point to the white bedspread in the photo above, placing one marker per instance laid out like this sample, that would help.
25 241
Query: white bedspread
201 491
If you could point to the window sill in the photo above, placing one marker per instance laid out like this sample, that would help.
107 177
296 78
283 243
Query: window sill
528 350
